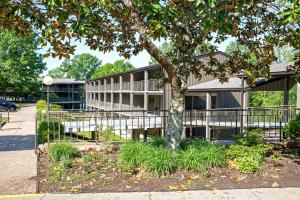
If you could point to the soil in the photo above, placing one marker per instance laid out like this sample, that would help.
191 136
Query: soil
105 176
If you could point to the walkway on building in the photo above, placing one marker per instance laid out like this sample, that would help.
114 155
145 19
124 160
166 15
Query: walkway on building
235 194
17 158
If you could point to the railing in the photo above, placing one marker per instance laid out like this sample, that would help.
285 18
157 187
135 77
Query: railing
108 86
153 85
116 86
53 100
221 124
126 86
138 85
75 90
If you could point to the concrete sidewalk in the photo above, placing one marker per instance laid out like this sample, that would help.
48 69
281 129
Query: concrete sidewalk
234 194
17 158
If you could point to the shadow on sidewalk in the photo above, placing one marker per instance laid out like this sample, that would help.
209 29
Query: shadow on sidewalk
17 142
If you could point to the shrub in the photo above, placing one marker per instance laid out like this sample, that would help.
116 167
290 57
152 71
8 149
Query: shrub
251 138
186 143
248 158
157 142
108 135
293 127
159 160
200 155
61 151
248 164
53 131
41 105
133 154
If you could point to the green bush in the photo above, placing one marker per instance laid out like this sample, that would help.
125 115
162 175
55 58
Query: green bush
251 138
198 143
293 127
157 142
61 151
248 158
53 131
108 135
248 164
199 155
41 105
159 160
133 154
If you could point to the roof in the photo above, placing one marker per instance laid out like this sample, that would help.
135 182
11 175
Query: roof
66 81
153 66
215 85
280 67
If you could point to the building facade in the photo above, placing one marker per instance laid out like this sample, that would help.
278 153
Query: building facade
68 93
139 90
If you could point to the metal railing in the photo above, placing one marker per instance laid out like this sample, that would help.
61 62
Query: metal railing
222 124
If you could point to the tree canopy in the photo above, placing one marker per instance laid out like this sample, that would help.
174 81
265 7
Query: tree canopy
20 64
81 67
112 68
130 26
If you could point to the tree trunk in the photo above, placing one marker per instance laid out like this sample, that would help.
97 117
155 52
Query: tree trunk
175 121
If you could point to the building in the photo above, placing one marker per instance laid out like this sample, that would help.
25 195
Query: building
138 90
66 92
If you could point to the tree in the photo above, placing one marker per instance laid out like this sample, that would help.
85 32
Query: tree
56 73
20 64
81 67
130 26
266 98
112 68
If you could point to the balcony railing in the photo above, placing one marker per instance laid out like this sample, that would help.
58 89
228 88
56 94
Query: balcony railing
153 85
116 86
138 85
126 86
75 90
108 86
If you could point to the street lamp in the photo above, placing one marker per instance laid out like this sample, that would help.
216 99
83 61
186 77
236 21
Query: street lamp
48 81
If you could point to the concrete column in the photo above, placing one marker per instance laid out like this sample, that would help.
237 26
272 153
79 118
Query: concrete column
121 82
208 113
111 83
146 81
131 90
298 97
245 107
145 101
105 82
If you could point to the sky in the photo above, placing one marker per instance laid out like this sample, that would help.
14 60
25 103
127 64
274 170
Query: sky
140 60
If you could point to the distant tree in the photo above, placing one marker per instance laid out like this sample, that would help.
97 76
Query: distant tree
57 73
20 64
112 68
266 98
81 67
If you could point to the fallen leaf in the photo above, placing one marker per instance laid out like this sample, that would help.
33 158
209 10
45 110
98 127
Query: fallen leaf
173 187
275 184
183 186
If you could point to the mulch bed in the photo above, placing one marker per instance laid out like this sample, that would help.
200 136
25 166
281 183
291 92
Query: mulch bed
105 176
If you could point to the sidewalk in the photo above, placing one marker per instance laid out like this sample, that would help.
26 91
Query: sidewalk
17 158
235 194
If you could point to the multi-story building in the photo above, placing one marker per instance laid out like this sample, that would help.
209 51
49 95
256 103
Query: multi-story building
67 92
139 90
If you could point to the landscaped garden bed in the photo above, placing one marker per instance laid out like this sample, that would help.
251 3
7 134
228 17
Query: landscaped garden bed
137 166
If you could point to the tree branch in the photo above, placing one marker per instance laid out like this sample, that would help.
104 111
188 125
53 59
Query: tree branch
148 44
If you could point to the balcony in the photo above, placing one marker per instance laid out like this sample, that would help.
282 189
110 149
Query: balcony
138 85
116 86
126 86
108 87
153 85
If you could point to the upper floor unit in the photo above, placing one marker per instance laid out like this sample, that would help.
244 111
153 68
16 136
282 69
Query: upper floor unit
138 80
67 85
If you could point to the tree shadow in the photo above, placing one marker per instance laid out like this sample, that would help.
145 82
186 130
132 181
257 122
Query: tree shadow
17 142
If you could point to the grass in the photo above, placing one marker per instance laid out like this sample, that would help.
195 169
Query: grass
196 156
62 151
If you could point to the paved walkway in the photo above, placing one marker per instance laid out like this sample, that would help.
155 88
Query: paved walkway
237 194
17 158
